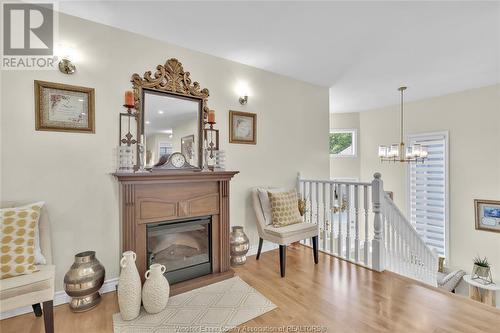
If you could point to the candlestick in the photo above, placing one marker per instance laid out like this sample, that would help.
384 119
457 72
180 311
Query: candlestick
129 98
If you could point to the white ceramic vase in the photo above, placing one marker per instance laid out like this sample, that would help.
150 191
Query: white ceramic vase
129 287
156 289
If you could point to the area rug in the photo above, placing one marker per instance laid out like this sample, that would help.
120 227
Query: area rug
218 307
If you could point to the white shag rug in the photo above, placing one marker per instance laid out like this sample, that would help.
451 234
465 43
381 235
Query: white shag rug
218 307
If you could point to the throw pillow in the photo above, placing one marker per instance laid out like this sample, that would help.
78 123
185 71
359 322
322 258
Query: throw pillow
17 236
284 208
265 204
39 258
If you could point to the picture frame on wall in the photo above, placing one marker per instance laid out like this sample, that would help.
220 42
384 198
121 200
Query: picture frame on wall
187 147
64 108
487 215
242 127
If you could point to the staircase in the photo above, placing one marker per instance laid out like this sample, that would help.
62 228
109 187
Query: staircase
360 223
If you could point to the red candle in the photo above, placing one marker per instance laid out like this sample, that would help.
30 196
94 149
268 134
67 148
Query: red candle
211 117
129 97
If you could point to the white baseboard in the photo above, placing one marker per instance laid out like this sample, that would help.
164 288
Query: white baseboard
60 297
266 246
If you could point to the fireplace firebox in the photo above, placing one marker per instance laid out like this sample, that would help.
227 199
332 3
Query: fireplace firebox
183 246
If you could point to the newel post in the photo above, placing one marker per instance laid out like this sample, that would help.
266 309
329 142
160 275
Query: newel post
378 241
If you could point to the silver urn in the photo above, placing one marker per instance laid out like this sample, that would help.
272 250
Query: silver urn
239 245
83 281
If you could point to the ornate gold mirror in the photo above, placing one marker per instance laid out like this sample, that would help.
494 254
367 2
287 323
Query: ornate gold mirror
171 115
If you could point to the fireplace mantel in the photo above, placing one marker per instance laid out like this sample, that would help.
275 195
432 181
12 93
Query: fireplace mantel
168 196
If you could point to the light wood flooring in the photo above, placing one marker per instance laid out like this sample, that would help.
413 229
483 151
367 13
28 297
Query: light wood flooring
333 296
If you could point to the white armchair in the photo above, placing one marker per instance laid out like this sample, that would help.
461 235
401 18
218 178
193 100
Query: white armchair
283 235
35 288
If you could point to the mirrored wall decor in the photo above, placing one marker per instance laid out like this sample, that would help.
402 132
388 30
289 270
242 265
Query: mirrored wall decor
171 124
172 114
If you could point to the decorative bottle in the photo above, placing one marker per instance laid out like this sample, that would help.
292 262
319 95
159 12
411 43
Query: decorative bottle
239 245
156 289
129 287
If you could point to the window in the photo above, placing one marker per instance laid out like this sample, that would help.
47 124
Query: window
164 148
428 191
343 142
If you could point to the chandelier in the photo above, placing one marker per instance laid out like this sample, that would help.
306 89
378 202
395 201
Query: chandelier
400 152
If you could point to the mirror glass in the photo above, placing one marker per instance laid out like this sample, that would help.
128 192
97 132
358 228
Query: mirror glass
171 124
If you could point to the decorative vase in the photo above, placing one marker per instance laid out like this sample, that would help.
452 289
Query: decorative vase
482 273
239 245
83 281
156 289
302 206
129 287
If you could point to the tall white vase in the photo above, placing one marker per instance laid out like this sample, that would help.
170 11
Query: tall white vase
156 289
129 287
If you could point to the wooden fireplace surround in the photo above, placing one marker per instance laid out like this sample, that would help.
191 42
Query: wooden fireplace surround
167 196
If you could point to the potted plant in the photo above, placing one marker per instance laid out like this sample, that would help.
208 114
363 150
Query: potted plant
481 269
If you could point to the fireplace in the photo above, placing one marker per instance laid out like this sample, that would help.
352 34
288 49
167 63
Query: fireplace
179 219
182 246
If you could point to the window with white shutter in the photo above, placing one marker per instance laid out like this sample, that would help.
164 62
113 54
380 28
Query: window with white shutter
428 191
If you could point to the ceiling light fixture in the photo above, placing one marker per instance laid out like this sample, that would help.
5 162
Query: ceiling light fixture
397 152
160 112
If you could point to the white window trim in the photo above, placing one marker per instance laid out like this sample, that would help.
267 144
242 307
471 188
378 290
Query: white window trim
446 135
355 145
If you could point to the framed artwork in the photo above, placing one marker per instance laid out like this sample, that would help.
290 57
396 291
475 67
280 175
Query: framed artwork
65 108
242 127
487 215
187 146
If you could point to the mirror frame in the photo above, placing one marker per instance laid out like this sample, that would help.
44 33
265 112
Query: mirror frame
170 79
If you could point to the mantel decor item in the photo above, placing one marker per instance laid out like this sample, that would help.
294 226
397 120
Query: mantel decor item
129 287
170 82
397 152
64 108
239 245
242 127
481 270
83 281
156 289
487 215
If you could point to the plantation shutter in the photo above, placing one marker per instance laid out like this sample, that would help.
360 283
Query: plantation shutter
428 191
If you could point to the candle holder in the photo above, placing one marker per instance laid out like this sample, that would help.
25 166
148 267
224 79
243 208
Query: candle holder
212 145
128 138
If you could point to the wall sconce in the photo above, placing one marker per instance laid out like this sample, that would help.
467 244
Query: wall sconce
242 91
243 100
66 66
67 54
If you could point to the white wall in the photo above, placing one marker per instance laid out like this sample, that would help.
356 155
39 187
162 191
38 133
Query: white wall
345 167
72 172
473 120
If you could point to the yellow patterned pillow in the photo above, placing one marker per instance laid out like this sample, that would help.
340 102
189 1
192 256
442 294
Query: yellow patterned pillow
17 236
284 208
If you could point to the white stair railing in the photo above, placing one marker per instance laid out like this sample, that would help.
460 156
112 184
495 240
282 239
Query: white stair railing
360 223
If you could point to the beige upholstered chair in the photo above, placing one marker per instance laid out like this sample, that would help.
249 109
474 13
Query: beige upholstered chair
283 235
35 288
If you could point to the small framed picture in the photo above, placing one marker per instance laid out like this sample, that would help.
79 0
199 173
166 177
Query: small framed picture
65 108
487 215
187 147
242 127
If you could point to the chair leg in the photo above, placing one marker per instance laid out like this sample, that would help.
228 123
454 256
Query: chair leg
37 309
282 260
48 316
315 248
260 248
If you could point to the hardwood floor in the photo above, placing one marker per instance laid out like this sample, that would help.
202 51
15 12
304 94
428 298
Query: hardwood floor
334 295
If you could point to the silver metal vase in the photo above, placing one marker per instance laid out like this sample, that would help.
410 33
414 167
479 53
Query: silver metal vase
239 245
83 281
